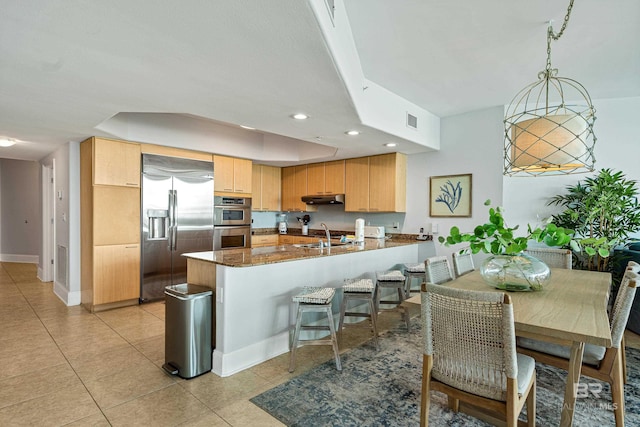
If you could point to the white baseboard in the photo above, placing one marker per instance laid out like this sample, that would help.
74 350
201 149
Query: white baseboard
27 259
69 298
226 364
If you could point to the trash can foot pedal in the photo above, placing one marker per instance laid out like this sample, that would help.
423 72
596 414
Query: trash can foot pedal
170 369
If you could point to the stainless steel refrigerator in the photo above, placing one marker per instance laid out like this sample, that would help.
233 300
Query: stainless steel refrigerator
176 218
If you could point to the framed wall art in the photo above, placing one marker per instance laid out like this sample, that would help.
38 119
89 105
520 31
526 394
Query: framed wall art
450 196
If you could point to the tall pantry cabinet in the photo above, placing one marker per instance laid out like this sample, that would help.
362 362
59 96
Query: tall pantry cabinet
110 223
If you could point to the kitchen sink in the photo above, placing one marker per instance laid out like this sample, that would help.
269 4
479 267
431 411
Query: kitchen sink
316 245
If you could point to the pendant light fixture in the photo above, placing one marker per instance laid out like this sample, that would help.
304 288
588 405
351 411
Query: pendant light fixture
549 124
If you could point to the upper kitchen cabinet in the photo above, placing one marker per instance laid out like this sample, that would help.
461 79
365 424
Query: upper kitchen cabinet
294 186
376 183
231 175
266 186
357 185
115 162
388 183
326 178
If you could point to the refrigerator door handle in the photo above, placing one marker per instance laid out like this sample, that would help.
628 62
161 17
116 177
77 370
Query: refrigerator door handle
174 235
171 221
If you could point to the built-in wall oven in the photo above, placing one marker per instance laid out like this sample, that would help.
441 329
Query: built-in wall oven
232 222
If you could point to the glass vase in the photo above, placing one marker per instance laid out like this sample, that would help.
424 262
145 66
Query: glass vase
517 272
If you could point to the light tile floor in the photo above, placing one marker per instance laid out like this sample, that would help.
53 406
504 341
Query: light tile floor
65 366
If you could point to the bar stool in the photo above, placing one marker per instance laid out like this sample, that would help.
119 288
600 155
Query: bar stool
413 271
393 279
314 300
360 289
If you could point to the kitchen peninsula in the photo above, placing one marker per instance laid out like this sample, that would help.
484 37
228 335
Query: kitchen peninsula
253 289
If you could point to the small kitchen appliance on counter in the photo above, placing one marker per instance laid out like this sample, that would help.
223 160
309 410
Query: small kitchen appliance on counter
282 223
374 232
359 232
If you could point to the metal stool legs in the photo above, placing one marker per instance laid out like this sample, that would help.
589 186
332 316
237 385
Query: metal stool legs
310 308
372 315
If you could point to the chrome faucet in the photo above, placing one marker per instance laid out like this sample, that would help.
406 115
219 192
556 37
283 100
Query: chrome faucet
326 230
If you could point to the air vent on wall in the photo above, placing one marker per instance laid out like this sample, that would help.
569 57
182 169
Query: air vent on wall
61 266
412 121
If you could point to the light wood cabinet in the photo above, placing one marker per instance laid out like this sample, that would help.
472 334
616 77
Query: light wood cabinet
285 239
294 186
264 240
109 224
388 182
356 197
376 183
116 163
266 188
326 178
116 273
231 175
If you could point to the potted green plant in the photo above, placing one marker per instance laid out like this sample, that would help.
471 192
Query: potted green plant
603 210
509 268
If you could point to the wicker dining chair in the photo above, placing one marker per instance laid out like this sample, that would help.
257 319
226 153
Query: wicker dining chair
554 258
470 354
462 263
437 270
604 364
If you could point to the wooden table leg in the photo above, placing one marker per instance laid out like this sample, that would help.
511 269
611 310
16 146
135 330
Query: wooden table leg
573 378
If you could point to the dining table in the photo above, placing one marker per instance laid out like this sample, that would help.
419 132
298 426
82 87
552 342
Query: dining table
570 310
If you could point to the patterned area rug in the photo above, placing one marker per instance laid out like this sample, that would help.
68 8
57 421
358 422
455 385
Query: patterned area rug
382 388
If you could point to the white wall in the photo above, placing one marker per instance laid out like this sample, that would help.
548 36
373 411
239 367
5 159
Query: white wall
20 217
470 143
67 182
473 143
617 147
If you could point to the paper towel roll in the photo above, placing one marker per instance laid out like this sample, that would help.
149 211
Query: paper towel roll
359 230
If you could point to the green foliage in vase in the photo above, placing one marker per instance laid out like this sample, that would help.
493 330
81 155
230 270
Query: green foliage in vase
603 210
495 237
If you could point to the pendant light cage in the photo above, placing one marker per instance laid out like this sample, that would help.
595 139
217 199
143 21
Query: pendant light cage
548 126
545 134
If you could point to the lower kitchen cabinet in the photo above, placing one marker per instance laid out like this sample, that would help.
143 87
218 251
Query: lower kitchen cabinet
264 240
116 273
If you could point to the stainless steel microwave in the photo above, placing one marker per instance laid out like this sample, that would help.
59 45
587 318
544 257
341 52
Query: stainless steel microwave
231 237
232 210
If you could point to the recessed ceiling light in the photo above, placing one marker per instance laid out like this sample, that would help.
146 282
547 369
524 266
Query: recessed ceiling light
7 142
352 132
300 116
390 144
247 127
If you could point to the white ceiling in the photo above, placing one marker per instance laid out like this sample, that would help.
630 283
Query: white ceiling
68 66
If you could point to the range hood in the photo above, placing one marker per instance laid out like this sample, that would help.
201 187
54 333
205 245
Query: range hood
327 199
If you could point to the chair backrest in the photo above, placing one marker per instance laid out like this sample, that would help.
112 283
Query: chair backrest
462 263
471 337
622 307
437 270
554 258
633 266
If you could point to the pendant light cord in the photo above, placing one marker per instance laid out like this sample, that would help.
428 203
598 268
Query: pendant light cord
552 35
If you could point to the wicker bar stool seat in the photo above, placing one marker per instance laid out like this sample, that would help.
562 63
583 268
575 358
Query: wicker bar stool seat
360 290
314 300
413 271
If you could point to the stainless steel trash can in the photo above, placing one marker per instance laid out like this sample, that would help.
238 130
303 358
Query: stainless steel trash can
187 348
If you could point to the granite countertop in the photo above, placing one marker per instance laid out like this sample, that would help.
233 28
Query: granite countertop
283 253
335 234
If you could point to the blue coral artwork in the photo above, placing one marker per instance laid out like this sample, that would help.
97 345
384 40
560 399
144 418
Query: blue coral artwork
450 196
